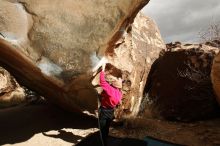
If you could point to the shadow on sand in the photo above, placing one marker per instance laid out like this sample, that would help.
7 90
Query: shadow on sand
66 136
18 124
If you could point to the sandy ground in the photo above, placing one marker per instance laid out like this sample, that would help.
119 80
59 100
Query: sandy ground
43 124
46 125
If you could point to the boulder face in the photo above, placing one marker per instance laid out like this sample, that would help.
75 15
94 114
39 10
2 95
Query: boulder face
10 91
179 84
134 54
51 47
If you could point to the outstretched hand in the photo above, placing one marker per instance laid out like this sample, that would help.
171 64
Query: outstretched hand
103 66
102 63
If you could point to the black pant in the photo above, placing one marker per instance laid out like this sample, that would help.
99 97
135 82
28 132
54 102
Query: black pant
105 118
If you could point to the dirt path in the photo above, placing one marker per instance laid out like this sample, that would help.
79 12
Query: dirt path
201 133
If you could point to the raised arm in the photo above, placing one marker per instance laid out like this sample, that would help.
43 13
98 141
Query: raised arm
103 83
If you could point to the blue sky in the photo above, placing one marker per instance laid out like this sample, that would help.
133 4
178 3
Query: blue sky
182 20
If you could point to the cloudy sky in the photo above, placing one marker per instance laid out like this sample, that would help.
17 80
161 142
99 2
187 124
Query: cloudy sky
182 20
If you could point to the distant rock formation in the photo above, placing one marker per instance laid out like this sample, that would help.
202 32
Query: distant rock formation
179 84
56 44
214 43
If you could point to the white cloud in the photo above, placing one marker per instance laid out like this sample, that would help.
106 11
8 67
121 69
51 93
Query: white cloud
181 20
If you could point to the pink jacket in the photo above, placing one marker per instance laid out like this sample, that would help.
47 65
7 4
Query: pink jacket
111 96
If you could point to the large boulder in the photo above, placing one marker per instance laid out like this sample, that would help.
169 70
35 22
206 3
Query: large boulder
11 93
179 84
215 69
215 75
134 54
56 44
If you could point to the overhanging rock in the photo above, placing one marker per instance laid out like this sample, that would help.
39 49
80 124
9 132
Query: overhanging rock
52 46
